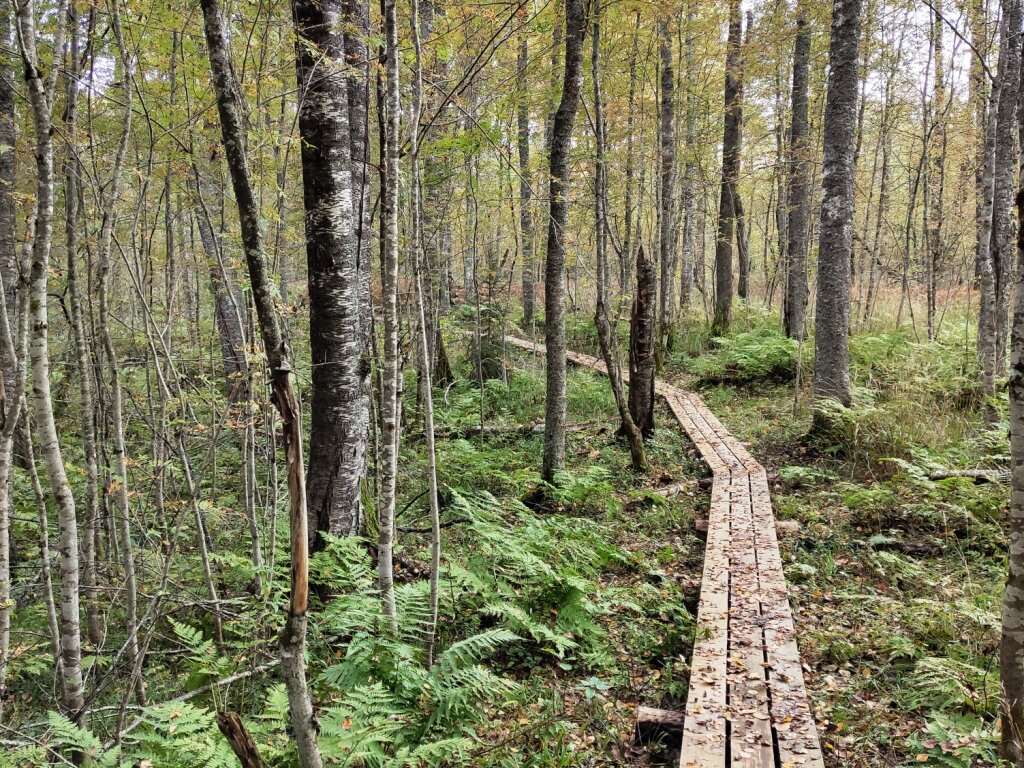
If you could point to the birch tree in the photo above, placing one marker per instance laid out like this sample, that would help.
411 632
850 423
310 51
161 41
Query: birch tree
41 88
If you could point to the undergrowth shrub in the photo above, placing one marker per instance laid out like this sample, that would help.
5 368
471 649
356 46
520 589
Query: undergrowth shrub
910 504
762 354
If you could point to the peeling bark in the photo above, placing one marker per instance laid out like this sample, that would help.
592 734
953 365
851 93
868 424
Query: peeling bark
337 301
292 641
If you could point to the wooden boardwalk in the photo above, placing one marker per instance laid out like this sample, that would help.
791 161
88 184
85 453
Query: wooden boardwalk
747 706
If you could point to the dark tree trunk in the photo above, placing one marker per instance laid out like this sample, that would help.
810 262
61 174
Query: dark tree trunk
8 177
799 197
690 173
641 346
357 30
731 137
626 257
337 301
831 342
554 271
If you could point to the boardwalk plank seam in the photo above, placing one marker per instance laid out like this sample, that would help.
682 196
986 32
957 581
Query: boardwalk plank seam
747 704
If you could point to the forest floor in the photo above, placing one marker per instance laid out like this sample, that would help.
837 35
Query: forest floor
895 579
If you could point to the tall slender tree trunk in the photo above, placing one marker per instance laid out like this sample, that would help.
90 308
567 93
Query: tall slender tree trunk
525 182
292 640
390 399
1005 175
606 337
831 340
667 200
936 167
418 255
799 193
109 200
690 167
42 94
878 243
338 346
985 110
227 309
626 257
554 272
8 359
731 137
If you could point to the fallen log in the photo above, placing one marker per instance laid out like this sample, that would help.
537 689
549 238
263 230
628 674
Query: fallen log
475 430
653 724
979 476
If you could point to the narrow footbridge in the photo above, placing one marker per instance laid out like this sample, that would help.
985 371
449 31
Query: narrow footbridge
747 706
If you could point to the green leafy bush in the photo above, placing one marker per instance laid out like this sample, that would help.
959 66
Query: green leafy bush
757 355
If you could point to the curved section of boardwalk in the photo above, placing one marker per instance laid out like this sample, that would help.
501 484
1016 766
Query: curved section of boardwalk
747 704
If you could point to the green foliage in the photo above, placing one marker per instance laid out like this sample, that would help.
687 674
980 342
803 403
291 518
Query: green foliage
761 354
956 741
943 683
591 490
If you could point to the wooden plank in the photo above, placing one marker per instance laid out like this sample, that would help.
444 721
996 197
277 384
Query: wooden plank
722 447
704 729
716 426
707 450
795 730
751 734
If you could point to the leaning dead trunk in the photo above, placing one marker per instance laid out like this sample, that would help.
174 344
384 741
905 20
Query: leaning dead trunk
641 346
554 283
293 635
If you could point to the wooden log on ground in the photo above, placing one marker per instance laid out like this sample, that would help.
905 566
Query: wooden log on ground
655 724
979 476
